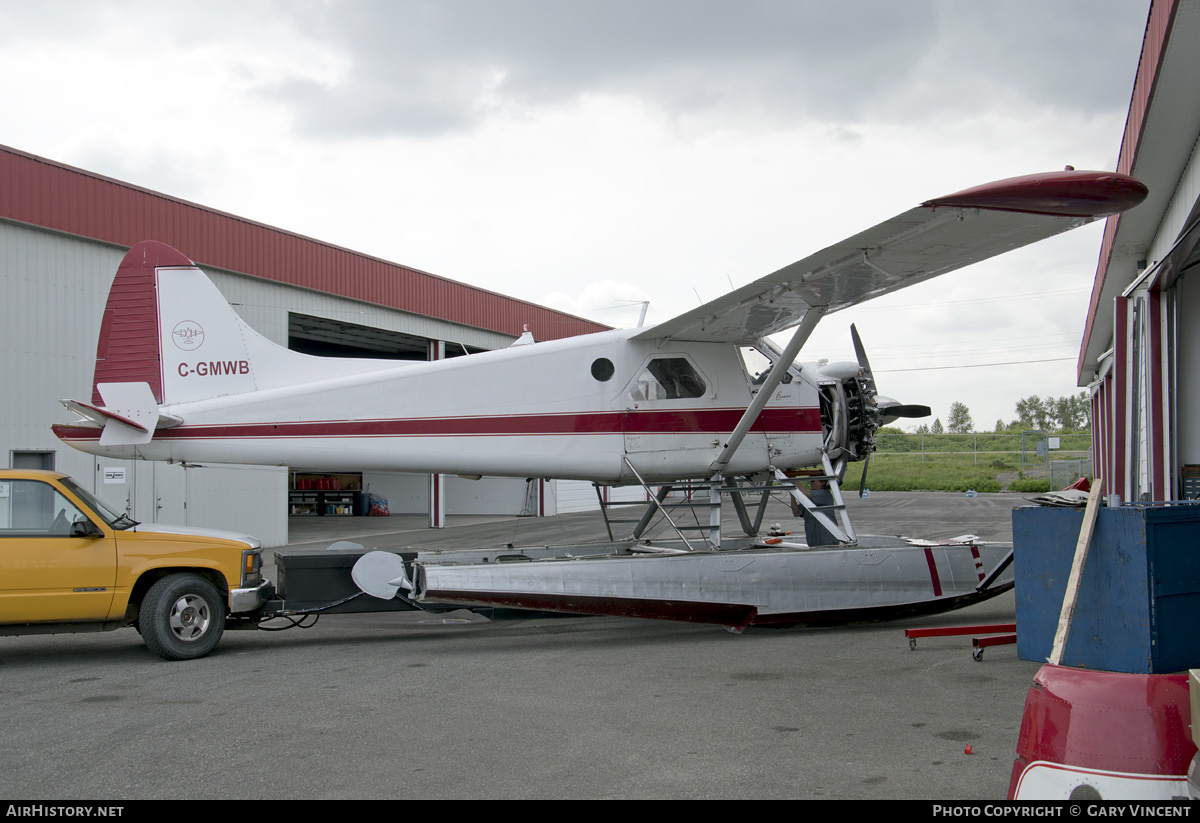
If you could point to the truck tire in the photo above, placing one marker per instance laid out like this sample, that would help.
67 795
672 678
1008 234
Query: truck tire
182 617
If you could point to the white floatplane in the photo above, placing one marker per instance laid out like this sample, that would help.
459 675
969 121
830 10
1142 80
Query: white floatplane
181 377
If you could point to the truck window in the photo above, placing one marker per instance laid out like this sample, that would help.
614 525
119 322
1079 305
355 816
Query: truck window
114 519
31 508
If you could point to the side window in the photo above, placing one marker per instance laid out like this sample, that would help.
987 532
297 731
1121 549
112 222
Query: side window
755 362
758 365
32 508
668 378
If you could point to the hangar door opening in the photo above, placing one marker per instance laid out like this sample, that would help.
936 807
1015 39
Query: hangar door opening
334 338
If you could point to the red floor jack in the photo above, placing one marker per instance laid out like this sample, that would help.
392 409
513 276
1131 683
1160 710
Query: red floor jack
991 634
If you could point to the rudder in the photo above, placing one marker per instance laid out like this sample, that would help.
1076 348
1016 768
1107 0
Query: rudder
128 348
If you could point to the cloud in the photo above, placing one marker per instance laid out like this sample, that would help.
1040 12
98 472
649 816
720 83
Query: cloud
427 68
613 303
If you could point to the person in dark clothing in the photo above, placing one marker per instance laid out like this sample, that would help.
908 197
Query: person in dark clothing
814 533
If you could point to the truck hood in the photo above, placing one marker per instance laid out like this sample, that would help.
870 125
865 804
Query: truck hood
216 534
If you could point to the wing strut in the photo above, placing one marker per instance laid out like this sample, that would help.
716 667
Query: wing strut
774 377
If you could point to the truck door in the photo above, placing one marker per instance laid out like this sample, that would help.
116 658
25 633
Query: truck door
45 574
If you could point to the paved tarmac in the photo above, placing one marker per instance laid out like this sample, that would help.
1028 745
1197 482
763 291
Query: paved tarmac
408 705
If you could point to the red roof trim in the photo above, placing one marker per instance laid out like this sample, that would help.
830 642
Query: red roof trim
1154 47
62 198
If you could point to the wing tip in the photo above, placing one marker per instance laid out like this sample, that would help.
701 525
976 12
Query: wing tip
1068 193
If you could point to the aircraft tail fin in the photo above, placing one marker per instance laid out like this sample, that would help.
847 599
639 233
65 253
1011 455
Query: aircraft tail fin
167 327
128 348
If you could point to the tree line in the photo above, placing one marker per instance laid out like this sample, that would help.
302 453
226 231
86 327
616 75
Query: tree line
1071 412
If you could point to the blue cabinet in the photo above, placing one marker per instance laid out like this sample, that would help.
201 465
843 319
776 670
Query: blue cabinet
1138 608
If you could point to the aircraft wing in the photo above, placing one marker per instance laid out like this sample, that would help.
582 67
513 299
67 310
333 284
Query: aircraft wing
938 236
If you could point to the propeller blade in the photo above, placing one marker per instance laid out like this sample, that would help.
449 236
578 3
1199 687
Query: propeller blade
859 351
905 410
887 409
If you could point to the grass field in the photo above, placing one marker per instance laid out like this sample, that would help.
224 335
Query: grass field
958 462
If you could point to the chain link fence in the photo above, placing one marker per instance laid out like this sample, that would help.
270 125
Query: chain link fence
1065 472
1029 457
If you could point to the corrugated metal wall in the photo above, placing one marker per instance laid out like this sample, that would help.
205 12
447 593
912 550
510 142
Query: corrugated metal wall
50 311
488 495
580 496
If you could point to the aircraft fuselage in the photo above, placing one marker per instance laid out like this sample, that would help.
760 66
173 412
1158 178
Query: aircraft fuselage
569 409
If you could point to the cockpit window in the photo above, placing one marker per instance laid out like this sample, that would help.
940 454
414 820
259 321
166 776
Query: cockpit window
758 365
668 378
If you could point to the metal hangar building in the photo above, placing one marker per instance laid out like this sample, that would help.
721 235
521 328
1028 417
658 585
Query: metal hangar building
1140 355
63 232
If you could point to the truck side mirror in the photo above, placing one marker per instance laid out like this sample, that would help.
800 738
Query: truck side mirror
85 528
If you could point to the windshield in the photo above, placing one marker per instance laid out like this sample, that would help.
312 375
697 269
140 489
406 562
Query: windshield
113 519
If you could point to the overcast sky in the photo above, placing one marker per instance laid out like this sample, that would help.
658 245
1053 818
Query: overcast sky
589 154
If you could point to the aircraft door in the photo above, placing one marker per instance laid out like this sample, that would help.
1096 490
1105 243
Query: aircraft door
669 417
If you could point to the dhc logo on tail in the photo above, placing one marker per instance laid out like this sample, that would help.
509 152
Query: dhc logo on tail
188 335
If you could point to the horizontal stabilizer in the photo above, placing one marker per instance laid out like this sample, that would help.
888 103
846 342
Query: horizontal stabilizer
130 413
99 415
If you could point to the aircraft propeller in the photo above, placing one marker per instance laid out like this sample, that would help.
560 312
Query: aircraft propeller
891 410
887 409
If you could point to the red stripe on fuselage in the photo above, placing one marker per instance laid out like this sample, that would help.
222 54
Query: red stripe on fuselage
673 421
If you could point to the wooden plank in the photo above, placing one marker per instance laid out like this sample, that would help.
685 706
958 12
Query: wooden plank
1072 592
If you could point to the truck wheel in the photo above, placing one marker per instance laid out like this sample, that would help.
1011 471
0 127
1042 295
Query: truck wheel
182 617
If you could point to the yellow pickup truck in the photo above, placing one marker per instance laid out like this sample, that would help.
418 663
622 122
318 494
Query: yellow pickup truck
68 563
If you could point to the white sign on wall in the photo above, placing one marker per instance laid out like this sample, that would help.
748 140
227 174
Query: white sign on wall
114 475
